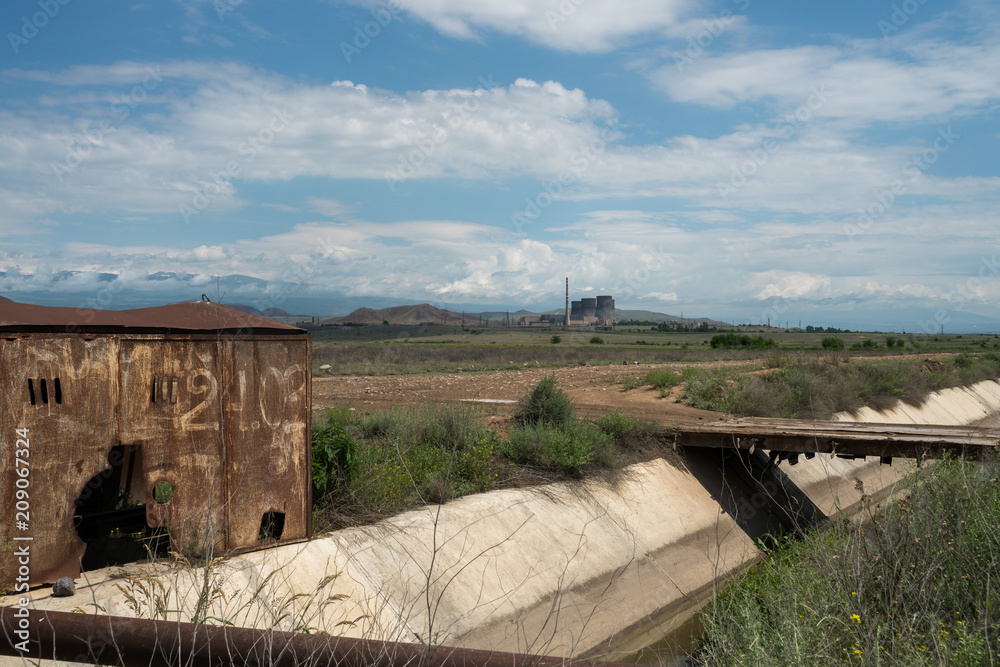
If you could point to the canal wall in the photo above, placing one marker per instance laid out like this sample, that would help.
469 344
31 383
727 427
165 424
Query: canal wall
561 569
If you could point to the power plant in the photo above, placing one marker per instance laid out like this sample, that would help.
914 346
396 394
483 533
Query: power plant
599 310
591 311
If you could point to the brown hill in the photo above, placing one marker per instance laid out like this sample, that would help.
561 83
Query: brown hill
423 313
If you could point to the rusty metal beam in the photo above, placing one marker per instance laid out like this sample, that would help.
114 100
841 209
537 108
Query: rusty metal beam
114 640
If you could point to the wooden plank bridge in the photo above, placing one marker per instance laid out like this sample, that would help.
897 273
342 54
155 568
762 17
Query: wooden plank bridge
791 438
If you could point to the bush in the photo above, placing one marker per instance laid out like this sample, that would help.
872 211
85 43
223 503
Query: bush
334 458
556 340
662 379
731 341
619 426
545 404
706 387
596 340
396 459
833 343
566 448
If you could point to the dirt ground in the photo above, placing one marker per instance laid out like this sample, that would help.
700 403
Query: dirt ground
590 387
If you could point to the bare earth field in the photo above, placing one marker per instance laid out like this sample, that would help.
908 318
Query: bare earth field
590 387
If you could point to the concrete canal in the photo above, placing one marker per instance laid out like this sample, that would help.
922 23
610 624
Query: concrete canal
611 569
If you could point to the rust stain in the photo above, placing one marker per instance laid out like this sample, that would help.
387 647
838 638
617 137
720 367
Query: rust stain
207 402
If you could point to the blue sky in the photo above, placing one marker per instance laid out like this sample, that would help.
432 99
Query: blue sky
835 163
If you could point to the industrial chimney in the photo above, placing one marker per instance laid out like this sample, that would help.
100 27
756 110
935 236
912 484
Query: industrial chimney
566 319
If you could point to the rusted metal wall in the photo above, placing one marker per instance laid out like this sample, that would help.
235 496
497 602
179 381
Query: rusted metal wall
70 436
268 389
224 419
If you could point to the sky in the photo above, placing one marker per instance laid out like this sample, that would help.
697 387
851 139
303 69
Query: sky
836 164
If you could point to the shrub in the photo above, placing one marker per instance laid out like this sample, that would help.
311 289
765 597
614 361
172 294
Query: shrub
662 378
545 403
631 382
334 458
395 459
620 426
568 448
596 340
556 340
833 343
731 341
706 387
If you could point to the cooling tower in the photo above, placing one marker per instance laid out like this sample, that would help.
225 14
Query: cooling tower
575 311
605 308
588 307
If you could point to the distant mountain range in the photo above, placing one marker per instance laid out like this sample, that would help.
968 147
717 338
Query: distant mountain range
293 302
422 313
425 313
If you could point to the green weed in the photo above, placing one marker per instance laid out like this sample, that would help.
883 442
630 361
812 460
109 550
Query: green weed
914 584
567 448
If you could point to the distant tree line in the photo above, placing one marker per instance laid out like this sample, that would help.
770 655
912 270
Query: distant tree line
733 341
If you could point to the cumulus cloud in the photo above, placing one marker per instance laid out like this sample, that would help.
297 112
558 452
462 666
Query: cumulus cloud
206 132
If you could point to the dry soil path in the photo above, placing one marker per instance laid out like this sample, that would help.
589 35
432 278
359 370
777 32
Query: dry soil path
591 388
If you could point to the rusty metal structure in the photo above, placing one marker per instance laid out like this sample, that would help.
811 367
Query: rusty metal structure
187 424
112 640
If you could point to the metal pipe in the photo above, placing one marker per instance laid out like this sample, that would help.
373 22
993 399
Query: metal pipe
116 640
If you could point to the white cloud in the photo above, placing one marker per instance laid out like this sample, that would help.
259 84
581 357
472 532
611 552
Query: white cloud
208 130
917 79
642 258
330 208
664 297
794 286
565 25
